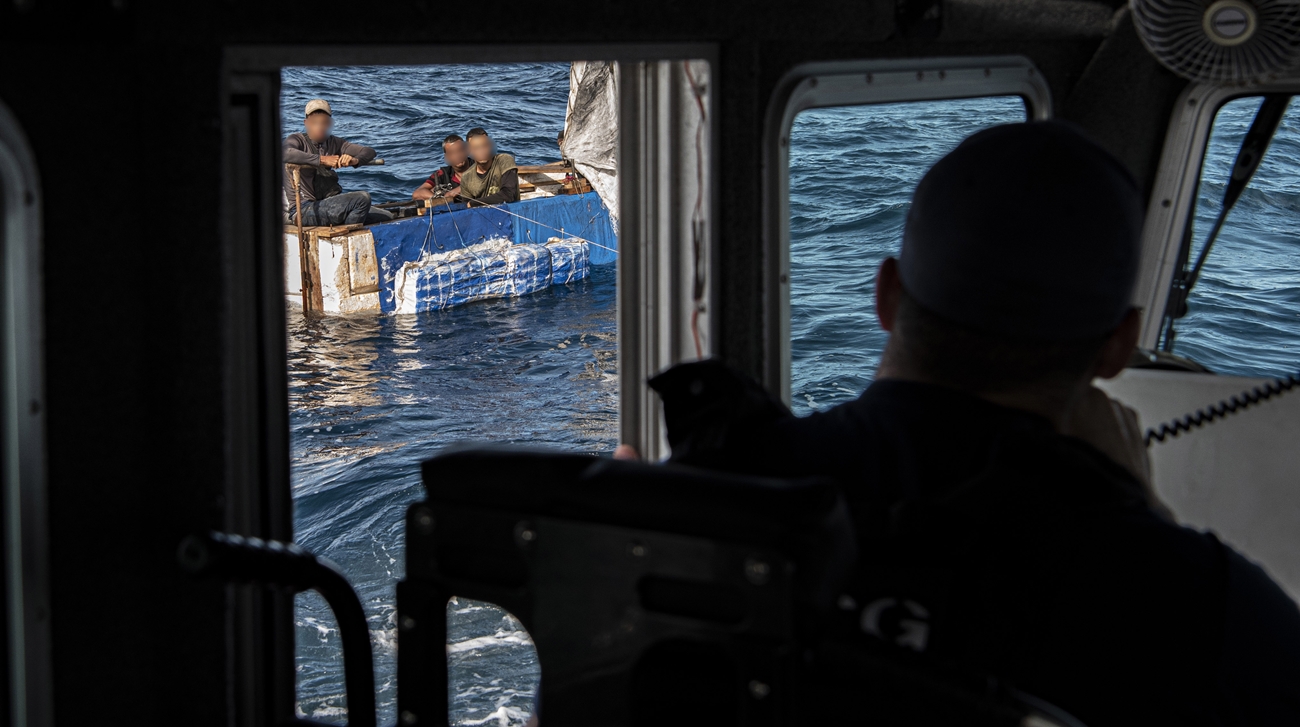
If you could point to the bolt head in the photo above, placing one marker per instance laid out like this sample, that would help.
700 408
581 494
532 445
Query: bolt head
424 521
757 571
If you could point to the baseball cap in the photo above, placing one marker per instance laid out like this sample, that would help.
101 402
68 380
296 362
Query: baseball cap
1027 230
318 104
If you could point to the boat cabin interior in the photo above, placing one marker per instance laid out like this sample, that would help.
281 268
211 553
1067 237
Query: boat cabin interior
149 571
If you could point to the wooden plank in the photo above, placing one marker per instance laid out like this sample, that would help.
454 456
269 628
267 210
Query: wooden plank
525 186
313 298
325 230
552 168
335 230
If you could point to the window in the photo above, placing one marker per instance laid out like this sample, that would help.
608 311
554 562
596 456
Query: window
1244 312
852 173
373 393
374 388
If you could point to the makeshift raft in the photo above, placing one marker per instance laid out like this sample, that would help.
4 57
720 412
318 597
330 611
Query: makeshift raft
449 256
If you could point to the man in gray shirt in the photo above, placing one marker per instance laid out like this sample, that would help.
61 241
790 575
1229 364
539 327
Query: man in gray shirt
323 201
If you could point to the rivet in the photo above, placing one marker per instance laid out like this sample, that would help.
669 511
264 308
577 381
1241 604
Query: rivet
758 690
408 623
757 571
409 718
424 520
525 533
637 550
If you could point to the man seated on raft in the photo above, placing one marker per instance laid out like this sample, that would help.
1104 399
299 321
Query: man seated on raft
997 492
323 201
445 182
493 179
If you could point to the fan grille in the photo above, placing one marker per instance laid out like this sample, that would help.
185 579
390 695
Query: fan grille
1179 34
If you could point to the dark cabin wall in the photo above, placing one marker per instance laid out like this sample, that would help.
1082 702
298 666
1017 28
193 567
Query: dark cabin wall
120 100
134 396
1125 98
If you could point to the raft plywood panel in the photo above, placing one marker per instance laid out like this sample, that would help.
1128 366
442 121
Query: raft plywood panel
363 267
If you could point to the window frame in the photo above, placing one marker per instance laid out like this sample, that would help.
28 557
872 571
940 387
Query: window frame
259 500
860 83
28 661
1173 196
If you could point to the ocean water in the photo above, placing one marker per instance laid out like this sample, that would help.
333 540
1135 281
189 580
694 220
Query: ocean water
372 397
843 224
1244 315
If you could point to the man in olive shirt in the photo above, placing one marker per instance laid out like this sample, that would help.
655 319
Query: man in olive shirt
323 200
494 178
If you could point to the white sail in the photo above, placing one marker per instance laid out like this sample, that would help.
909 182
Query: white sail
591 128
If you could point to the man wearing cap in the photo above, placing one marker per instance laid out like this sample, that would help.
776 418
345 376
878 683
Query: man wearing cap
1005 521
323 200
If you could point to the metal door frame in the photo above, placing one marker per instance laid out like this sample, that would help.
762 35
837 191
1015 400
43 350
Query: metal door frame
258 496
26 526
1174 194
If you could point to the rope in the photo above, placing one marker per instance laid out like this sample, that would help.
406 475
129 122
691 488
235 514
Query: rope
424 247
455 224
1201 417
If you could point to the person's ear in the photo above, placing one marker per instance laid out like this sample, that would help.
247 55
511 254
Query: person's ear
1119 346
888 290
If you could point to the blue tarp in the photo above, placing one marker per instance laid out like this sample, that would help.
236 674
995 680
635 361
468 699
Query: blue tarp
569 260
571 215
471 276
531 221
494 269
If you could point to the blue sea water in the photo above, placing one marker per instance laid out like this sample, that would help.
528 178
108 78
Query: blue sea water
372 397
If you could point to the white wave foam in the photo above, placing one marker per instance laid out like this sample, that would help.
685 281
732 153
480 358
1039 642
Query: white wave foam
503 716
500 638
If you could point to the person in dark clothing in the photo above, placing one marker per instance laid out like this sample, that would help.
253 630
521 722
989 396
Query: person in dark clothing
323 200
445 181
494 178
1005 520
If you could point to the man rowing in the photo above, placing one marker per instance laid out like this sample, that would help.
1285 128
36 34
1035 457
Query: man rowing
319 152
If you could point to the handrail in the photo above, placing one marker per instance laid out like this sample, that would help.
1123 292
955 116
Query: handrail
237 559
